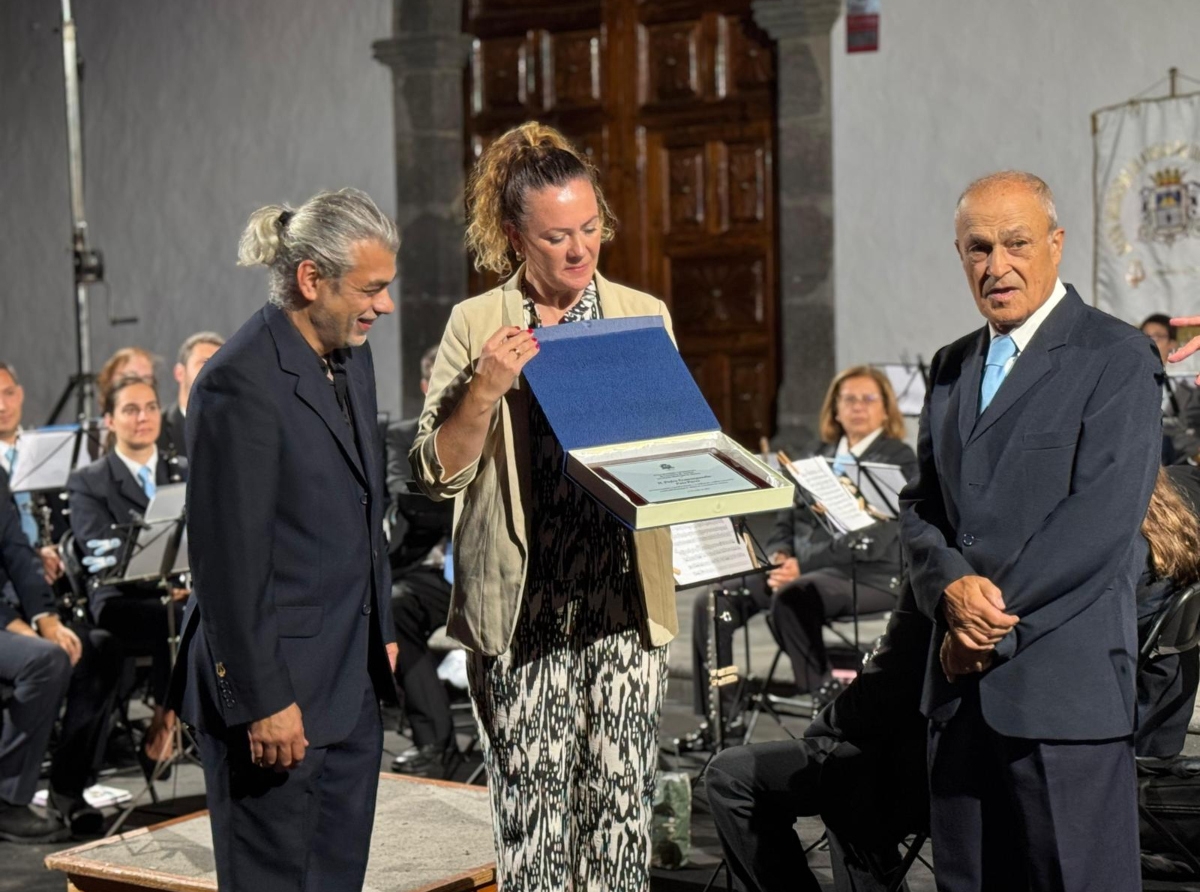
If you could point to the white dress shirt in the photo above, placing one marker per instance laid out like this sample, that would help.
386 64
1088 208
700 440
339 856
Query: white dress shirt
1024 333
135 468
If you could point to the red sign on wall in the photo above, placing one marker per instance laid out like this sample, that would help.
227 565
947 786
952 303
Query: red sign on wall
862 26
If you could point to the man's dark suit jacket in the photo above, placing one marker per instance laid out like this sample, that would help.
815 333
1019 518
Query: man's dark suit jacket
101 495
1043 494
20 565
172 439
418 522
291 592
800 535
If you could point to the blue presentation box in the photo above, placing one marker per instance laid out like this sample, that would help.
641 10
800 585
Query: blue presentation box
637 433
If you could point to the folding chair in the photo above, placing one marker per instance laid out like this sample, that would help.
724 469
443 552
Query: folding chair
1176 629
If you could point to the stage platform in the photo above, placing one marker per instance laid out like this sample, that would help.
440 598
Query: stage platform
430 836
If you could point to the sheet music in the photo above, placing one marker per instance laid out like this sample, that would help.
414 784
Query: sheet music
880 484
909 386
44 459
706 550
815 476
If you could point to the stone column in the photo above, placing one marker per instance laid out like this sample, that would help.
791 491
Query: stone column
427 56
804 161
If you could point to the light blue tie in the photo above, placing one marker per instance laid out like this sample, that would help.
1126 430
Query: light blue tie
842 462
148 486
24 502
1000 352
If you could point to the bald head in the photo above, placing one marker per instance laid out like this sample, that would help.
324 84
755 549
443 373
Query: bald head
1009 241
1009 179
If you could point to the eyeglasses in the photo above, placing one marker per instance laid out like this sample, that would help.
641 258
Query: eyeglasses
853 399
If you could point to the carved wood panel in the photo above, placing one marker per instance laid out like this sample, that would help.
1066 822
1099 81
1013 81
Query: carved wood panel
717 294
573 60
672 100
671 61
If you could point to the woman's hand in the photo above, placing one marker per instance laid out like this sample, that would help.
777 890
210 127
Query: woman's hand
500 362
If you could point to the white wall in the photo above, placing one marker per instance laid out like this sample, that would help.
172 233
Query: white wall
195 114
960 88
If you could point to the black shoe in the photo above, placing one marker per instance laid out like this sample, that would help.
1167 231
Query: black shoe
825 695
21 824
698 741
430 760
148 764
75 813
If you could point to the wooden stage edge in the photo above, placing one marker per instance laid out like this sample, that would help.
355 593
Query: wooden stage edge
86 874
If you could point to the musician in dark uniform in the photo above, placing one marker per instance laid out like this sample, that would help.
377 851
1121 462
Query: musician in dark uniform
860 420
194 352
418 549
44 660
106 498
288 643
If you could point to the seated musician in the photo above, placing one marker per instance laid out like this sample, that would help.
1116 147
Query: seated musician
861 765
105 497
1181 410
44 660
12 401
417 547
195 351
860 420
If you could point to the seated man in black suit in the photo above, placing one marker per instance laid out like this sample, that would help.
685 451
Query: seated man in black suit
861 763
420 535
193 353
860 420
105 497
43 660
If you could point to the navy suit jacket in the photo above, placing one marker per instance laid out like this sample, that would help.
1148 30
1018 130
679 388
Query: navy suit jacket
1043 494
102 495
291 591
20 565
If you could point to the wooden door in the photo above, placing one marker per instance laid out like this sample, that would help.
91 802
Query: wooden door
674 102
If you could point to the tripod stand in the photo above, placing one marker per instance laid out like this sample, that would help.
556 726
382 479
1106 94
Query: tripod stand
169 541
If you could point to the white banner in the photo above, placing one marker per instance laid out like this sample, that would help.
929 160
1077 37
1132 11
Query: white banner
1147 194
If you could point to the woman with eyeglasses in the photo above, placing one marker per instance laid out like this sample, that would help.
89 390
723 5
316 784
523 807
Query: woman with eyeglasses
860 420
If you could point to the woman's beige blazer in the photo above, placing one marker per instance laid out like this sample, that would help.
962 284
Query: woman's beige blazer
491 538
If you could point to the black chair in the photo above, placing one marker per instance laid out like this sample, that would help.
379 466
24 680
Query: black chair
1176 630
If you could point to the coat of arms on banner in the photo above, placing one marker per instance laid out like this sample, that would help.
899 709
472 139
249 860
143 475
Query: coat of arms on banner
1170 207
1147 191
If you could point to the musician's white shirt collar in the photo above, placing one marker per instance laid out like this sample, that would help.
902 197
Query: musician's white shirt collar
134 467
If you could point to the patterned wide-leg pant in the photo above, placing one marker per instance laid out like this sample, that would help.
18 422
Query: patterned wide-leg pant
568 720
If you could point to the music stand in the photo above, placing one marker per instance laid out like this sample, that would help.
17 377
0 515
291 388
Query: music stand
157 552
908 382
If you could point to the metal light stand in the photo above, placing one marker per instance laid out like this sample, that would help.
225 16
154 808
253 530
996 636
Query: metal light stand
89 263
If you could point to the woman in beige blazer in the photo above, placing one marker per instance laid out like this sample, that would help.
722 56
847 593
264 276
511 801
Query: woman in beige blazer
566 612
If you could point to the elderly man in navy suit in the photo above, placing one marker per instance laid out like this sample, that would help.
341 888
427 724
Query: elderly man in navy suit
288 642
1037 454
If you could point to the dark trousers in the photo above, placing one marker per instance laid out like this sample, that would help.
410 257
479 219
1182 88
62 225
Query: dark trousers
733 612
1047 816
756 793
139 622
420 602
306 829
40 675
800 609
39 672
87 719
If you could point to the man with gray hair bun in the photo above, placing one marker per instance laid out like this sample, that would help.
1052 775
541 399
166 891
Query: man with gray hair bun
288 642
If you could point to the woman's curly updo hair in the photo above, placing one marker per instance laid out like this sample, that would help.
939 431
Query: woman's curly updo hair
324 230
525 159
